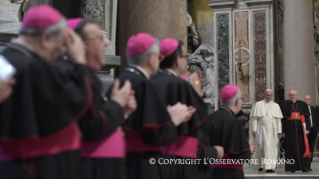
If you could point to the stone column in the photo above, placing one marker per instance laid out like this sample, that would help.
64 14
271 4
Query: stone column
299 62
161 18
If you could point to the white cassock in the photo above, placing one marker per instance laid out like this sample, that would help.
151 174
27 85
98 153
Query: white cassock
266 120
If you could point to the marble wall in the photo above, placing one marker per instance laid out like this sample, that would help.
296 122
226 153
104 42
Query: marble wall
260 49
204 20
162 19
9 11
223 50
241 30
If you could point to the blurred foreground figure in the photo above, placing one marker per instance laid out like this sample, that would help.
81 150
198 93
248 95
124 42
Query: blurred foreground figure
266 121
103 147
191 143
225 129
39 136
6 88
153 124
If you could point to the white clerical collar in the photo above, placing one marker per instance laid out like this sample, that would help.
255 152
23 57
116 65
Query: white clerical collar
171 71
266 101
141 69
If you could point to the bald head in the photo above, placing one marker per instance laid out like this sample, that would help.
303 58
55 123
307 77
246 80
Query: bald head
307 100
293 95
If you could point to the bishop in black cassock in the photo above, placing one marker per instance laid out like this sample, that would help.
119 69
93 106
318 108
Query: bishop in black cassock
39 136
224 129
150 126
172 90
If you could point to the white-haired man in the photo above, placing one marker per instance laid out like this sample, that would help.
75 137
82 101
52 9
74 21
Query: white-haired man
225 130
152 125
266 120
314 125
39 136
295 127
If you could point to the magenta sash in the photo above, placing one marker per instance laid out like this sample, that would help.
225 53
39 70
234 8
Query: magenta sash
67 139
185 147
112 146
134 143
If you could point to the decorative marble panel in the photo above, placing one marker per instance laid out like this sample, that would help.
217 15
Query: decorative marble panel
223 50
260 54
94 9
241 29
243 83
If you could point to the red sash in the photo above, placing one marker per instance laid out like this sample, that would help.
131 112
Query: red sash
185 147
297 116
112 146
67 139
134 143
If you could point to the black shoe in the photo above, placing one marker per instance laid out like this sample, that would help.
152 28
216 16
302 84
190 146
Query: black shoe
293 171
309 169
270 171
261 169
306 170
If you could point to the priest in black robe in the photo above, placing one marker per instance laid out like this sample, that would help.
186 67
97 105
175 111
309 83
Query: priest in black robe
39 136
152 125
172 90
295 127
103 153
224 129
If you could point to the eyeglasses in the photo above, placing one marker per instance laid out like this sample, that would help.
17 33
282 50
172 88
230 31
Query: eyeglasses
184 56
98 39
241 99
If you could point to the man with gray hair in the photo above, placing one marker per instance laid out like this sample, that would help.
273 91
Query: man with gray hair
152 125
314 125
39 135
266 121
295 127
225 130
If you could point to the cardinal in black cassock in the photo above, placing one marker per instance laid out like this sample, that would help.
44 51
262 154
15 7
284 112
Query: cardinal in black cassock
150 126
295 126
172 89
39 136
224 129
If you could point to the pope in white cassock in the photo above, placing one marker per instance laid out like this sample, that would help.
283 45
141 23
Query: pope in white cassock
266 121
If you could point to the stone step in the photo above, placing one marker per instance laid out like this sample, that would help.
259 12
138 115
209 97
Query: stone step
280 173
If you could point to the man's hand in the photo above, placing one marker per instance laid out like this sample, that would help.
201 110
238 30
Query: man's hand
254 133
180 113
307 132
76 48
220 151
131 104
6 88
121 96
279 135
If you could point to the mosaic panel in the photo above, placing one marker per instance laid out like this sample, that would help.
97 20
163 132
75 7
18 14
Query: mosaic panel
223 50
260 54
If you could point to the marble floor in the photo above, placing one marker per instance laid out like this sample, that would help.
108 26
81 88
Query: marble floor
280 172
